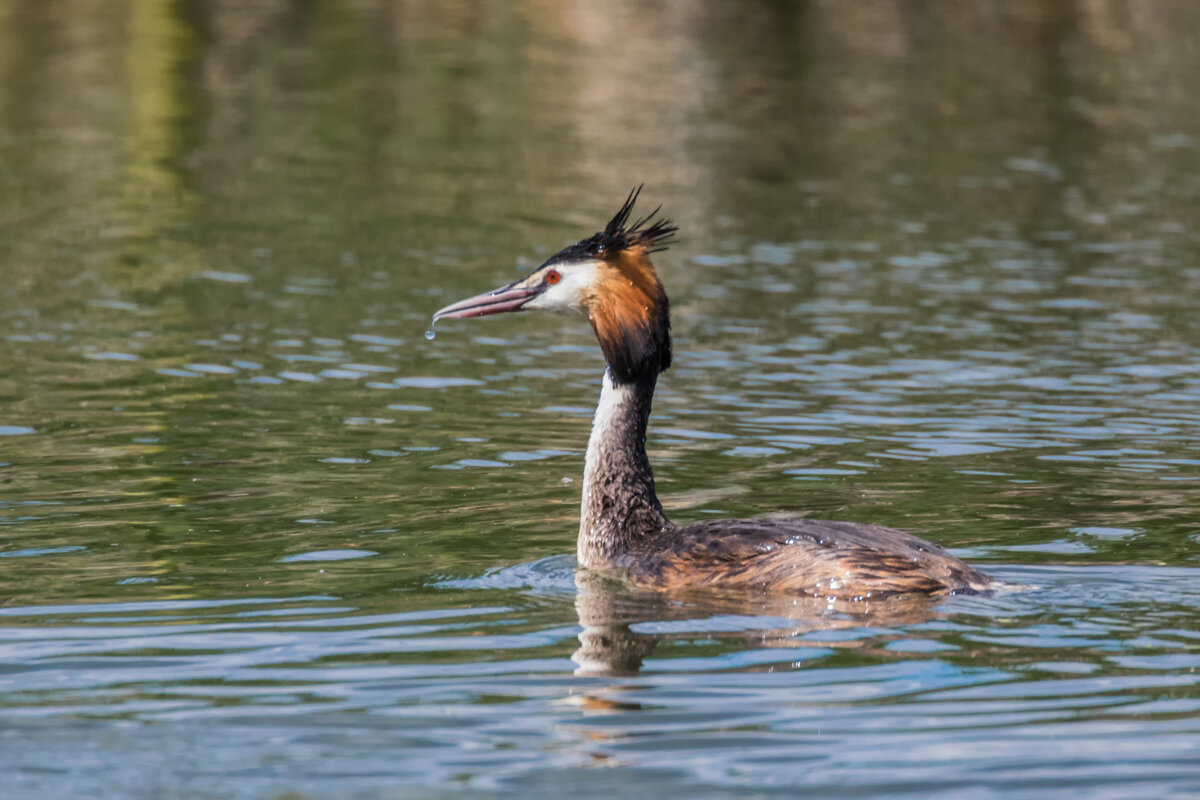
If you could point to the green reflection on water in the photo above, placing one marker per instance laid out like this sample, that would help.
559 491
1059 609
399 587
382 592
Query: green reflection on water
225 228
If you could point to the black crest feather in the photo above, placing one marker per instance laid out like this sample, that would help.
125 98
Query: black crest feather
653 234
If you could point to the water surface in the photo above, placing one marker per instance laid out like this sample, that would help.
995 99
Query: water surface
260 537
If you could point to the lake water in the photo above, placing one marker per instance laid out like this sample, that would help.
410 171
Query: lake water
939 269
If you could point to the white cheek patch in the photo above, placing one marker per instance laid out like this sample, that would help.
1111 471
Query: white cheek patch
567 296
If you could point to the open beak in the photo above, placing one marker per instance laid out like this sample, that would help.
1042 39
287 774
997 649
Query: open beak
497 301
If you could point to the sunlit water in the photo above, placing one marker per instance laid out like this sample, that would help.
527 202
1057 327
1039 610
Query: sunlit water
263 535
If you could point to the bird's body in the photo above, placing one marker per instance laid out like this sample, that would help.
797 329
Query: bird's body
623 529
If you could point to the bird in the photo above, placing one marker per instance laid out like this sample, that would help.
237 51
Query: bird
610 280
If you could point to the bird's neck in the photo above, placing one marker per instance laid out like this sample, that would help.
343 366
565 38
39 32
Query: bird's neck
620 508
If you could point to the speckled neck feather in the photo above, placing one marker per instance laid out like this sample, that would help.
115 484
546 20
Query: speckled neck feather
620 508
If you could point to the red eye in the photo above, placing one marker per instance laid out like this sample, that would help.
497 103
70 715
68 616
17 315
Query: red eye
553 277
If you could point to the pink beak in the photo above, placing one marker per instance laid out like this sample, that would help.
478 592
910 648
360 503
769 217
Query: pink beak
497 301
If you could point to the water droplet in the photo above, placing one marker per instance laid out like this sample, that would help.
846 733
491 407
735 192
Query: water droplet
429 334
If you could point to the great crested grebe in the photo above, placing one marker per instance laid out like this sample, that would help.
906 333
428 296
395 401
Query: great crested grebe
608 278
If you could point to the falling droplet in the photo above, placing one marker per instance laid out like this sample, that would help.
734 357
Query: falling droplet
429 334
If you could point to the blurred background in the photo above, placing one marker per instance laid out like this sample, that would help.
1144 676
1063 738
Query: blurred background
938 269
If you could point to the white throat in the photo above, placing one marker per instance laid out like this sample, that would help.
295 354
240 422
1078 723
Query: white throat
616 404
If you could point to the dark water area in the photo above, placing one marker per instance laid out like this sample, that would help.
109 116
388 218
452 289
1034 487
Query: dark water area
939 269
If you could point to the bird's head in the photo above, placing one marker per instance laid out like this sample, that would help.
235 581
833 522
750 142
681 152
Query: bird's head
607 278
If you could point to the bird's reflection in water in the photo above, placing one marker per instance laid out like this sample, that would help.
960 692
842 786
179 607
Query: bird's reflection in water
615 640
